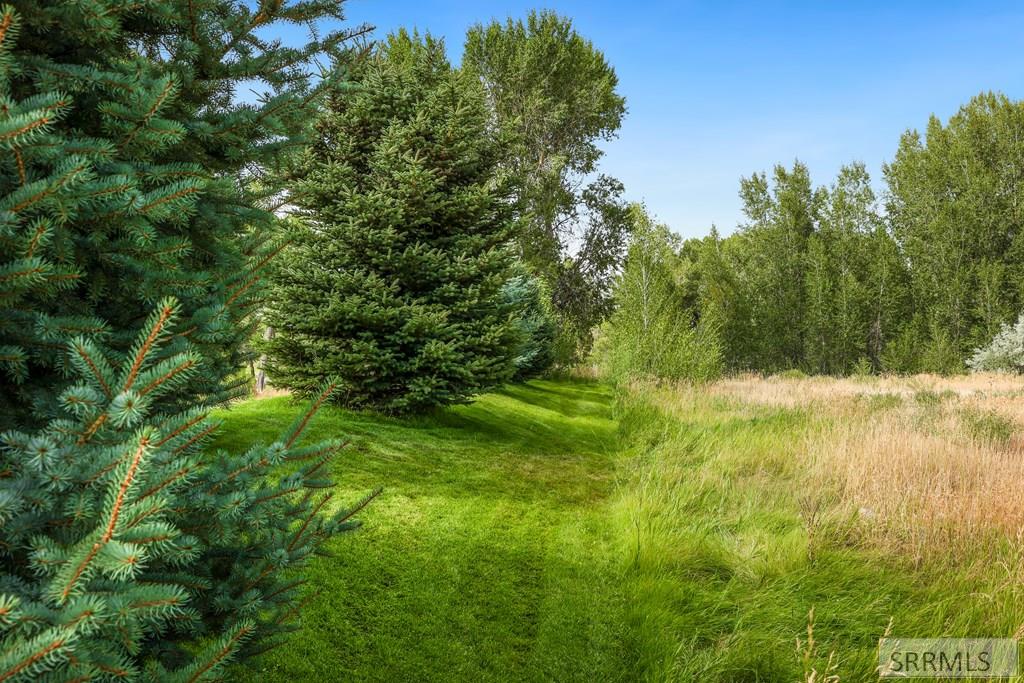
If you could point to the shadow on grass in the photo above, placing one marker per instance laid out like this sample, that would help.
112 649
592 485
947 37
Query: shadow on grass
486 558
492 597
534 440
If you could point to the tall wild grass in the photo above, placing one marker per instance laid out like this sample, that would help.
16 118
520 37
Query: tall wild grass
883 505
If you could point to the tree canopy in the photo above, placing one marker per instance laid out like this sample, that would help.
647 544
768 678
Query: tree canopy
554 98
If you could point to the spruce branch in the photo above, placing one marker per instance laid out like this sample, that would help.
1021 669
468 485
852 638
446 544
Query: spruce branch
108 532
299 426
309 518
157 325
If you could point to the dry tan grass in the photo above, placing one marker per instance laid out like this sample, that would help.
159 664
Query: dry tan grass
803 391
271 392
943 491
922 465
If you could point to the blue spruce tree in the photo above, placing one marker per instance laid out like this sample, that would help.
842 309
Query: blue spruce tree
131 247
395 284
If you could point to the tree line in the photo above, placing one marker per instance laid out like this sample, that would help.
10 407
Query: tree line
834 279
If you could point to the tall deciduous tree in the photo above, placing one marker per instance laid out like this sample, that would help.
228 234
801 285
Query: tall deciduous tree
553 97
782 216
955 205
814 280
722 297
847 314
395 285
131 243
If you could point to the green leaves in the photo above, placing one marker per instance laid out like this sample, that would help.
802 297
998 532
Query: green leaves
554 98
536 325
954 209
651 334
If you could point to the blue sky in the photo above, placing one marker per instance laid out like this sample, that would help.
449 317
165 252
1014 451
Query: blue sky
718 90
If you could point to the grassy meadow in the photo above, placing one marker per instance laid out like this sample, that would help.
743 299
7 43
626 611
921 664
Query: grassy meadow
746 530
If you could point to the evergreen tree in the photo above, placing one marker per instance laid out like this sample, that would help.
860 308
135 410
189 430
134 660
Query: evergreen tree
395 283
130 248
536 324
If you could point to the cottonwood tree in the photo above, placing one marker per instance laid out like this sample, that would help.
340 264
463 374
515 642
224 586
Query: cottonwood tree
553 98
850 280
816 278
781 217
813 280
954 205
651 333
131 246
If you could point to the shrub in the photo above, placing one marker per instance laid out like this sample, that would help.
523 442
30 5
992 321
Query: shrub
927 397
988 426
884 401
902 354
535 323
940 354
1005 353
862 368
651 333
792 373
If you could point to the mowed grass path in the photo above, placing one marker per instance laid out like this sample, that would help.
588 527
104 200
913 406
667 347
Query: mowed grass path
489 556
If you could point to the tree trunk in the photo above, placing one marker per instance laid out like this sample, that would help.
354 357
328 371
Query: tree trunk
261 375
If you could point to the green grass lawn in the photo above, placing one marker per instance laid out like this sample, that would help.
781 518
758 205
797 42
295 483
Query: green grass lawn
550 532
489 556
